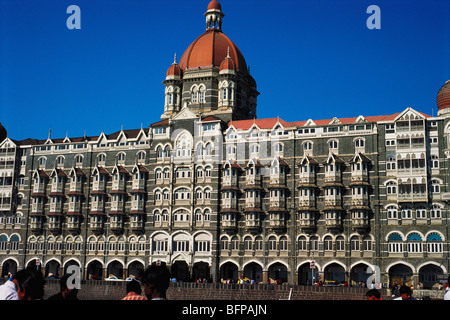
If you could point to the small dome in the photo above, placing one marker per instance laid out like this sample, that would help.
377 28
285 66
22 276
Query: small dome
214 5
174 70
227 63
3 133
443 96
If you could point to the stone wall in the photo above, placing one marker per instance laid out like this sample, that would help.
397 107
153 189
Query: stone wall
115 290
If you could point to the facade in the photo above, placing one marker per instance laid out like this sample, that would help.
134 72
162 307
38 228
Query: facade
218 194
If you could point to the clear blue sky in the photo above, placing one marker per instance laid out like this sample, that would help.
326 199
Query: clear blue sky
310 58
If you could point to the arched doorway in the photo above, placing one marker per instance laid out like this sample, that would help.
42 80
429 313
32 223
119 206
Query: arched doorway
52 269
34 264
278 273
253 271
229 272
115 269
430 275
400 274
180 270
307 275
334 272
135 270
359 274
70 263
201 271
94 270
9 267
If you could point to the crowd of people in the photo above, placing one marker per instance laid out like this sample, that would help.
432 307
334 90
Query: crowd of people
28 284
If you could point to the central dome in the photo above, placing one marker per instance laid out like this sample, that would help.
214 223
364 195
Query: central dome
209 50
212 47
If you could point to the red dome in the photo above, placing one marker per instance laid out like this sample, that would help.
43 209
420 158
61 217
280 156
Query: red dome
443 96
214 5
227 64
210 49
174 70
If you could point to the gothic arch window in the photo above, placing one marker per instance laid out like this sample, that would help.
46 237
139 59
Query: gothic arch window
121 158
183 145
101 159
391 187
434 163
392 212
42 161
78 160
435 186
60 161
140 157
159 152
333 145
202 94
435 212
390 164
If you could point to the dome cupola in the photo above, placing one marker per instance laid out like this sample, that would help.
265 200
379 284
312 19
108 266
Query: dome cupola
443 99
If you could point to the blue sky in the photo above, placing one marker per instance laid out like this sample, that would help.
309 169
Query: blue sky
311 59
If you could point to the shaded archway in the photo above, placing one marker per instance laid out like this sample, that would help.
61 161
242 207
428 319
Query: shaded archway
278 273
229 272
115 269
359 274
179 270
52 269
9 267
34 264
70 263
135 270
400 274
253 271
307 275
94 270
430 275
334 272
201 271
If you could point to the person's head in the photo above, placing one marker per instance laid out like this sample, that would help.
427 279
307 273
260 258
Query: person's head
373 294
134 286
29 283
405 292
66 292
156 280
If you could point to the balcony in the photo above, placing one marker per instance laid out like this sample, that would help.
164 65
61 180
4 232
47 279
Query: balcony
333 221
136 221
55 223
228 221
73 223
277 221
116 223
306 221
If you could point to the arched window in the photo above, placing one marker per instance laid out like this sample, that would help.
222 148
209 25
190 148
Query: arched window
414 243
395 244
434 243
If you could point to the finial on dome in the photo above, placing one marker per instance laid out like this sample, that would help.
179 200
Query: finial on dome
175 59
228 52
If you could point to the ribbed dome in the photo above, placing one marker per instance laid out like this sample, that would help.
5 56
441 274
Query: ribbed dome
210 49
227 64
174 70
443 96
